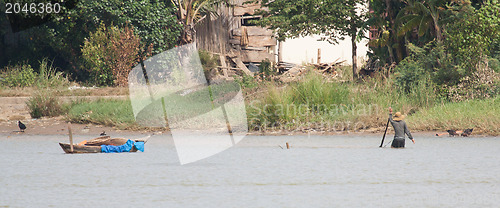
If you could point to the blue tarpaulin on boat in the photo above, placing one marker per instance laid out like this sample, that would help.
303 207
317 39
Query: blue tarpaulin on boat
139 146
123 148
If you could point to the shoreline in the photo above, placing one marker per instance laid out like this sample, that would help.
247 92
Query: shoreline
59 126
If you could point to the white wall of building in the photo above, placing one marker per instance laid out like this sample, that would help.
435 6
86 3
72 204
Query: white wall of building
302 50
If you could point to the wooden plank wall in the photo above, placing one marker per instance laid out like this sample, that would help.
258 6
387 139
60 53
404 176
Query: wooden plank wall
213 33
222 34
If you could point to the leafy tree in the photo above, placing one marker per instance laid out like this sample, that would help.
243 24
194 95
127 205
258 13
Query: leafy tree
110 54
62 37
154 21
333 19
474 34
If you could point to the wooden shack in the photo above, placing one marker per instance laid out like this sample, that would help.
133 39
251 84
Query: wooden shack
233 33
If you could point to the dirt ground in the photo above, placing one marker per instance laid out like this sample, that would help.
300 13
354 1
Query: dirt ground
13 109
58 126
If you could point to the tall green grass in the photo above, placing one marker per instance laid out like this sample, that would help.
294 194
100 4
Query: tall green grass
105 112
45 104
23 75
482 115
315 101
48 76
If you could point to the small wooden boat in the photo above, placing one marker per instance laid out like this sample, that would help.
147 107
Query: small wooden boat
105 140
80 148
84 148
94 145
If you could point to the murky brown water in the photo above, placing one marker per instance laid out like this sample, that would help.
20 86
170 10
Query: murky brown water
320 171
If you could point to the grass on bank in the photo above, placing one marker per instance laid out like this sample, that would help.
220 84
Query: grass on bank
45 104
482 115
106 112
314 102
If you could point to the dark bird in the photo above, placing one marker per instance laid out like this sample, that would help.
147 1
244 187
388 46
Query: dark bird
103 133
467 132
452 132
22 127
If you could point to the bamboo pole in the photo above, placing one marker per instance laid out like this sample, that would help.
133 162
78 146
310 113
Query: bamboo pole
383 137
70 137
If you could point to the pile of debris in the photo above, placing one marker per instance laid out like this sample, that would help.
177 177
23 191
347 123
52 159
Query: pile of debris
373 68
328 70
232 64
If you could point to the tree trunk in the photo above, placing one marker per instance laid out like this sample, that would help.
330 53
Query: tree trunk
280 51
188 35
438 30
391 27
354 57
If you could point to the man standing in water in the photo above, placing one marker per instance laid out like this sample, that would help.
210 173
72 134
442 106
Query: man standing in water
400 130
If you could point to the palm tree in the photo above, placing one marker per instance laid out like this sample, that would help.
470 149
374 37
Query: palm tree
191 12
423 15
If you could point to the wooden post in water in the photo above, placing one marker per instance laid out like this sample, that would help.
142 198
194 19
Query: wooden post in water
70 137
287 146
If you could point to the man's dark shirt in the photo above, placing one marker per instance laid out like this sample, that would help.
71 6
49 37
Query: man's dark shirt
400 128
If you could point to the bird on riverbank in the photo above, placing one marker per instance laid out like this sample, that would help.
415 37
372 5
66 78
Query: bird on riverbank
453 133
467 132
103 133
22 127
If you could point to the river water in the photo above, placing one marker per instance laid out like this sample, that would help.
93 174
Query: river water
318 171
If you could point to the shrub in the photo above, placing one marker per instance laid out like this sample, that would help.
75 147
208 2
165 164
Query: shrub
484 83
21 75
494 64
245 81
94 53
209 62
407 73
266 69
110 53
44 103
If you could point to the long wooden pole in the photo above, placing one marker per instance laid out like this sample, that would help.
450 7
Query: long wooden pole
70 137
386 126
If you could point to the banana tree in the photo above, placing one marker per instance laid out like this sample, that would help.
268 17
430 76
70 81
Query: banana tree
191 12
382 18
423 15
